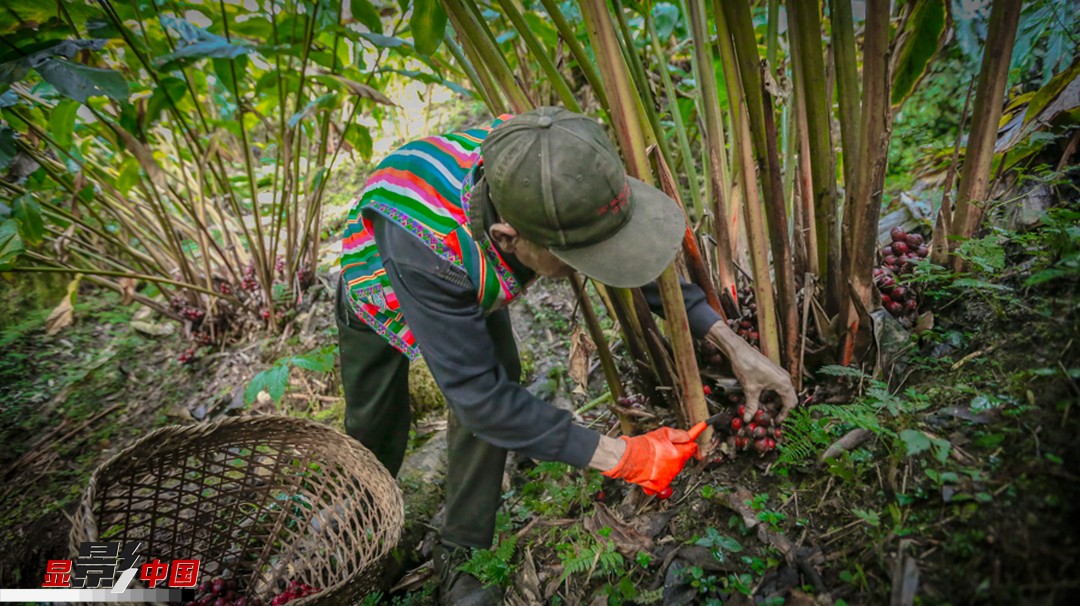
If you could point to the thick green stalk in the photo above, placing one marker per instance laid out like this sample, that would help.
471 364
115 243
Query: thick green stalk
676 118
476 71
736 14
647 103
475 34
847 89
757 235
603 351
864 204
805 23
555 78
569 38
714 140
993 76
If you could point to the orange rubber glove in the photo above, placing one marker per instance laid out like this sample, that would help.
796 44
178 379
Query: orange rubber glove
653 460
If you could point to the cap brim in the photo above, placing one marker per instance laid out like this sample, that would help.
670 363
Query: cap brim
641 250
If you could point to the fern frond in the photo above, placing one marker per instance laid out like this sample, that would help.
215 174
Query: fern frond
835 370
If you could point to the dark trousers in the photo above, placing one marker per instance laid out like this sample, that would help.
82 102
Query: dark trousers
375 377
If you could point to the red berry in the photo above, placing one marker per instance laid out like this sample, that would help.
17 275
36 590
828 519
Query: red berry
746 324
888 250
885 299
762 418
736 423
665 493
910 305
707 390
219 602
241 601
898 234
777 433
759 432
922 251
742 410
770 443
895 308
761 446
899 292
899 248
890 260
740 442
218 586
754 335
914 240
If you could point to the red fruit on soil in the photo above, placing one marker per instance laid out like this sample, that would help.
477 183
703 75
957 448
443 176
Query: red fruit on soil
885 299
898 234
665 493
899 292
895 308
770 443
762 418
899 248
747 324
754 335
265 314
888 250
923 250
761 446
760 432
736 423
879 271
707 390
886 283
890 260
914 240
777 433
740 442
218 586
910 305
742 410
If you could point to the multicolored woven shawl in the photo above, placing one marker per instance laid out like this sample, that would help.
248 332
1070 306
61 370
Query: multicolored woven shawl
424 187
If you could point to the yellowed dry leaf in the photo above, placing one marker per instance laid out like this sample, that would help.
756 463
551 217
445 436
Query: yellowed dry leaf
64 313
581 349
127 290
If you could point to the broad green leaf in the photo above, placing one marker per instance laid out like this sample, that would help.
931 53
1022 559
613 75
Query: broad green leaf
7 145
31 223
384 41
198 44
915 440
919 41
428 23
129 176
231 72
62 122
665 17
274 380
359 137
11 245
364 12
320 360
80 82
169 88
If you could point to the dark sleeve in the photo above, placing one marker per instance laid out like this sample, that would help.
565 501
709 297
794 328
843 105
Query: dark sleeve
698 312
448 323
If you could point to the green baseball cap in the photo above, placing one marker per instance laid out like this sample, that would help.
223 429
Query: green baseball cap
555 177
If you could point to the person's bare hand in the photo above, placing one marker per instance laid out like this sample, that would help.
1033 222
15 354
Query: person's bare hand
755 372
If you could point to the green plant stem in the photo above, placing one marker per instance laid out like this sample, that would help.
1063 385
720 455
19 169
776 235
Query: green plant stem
555 78
569 38
603 351
805 23
115 274
477 37
717 156
676 118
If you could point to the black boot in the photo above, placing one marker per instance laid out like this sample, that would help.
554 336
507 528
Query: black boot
457 588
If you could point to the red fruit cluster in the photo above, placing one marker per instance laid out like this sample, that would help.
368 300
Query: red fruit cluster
294 591
634 400
222 592
759 433
249 283
279 265
900 257
187 357
746 324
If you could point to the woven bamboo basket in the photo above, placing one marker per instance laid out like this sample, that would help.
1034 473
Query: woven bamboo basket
264 500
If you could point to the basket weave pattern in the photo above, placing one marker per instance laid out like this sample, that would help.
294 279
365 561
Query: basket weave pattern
265 500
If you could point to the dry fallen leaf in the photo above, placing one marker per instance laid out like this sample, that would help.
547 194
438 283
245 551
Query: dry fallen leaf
581 349
127 290
64 313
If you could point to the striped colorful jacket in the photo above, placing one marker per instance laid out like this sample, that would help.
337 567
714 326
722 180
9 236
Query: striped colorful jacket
423 187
